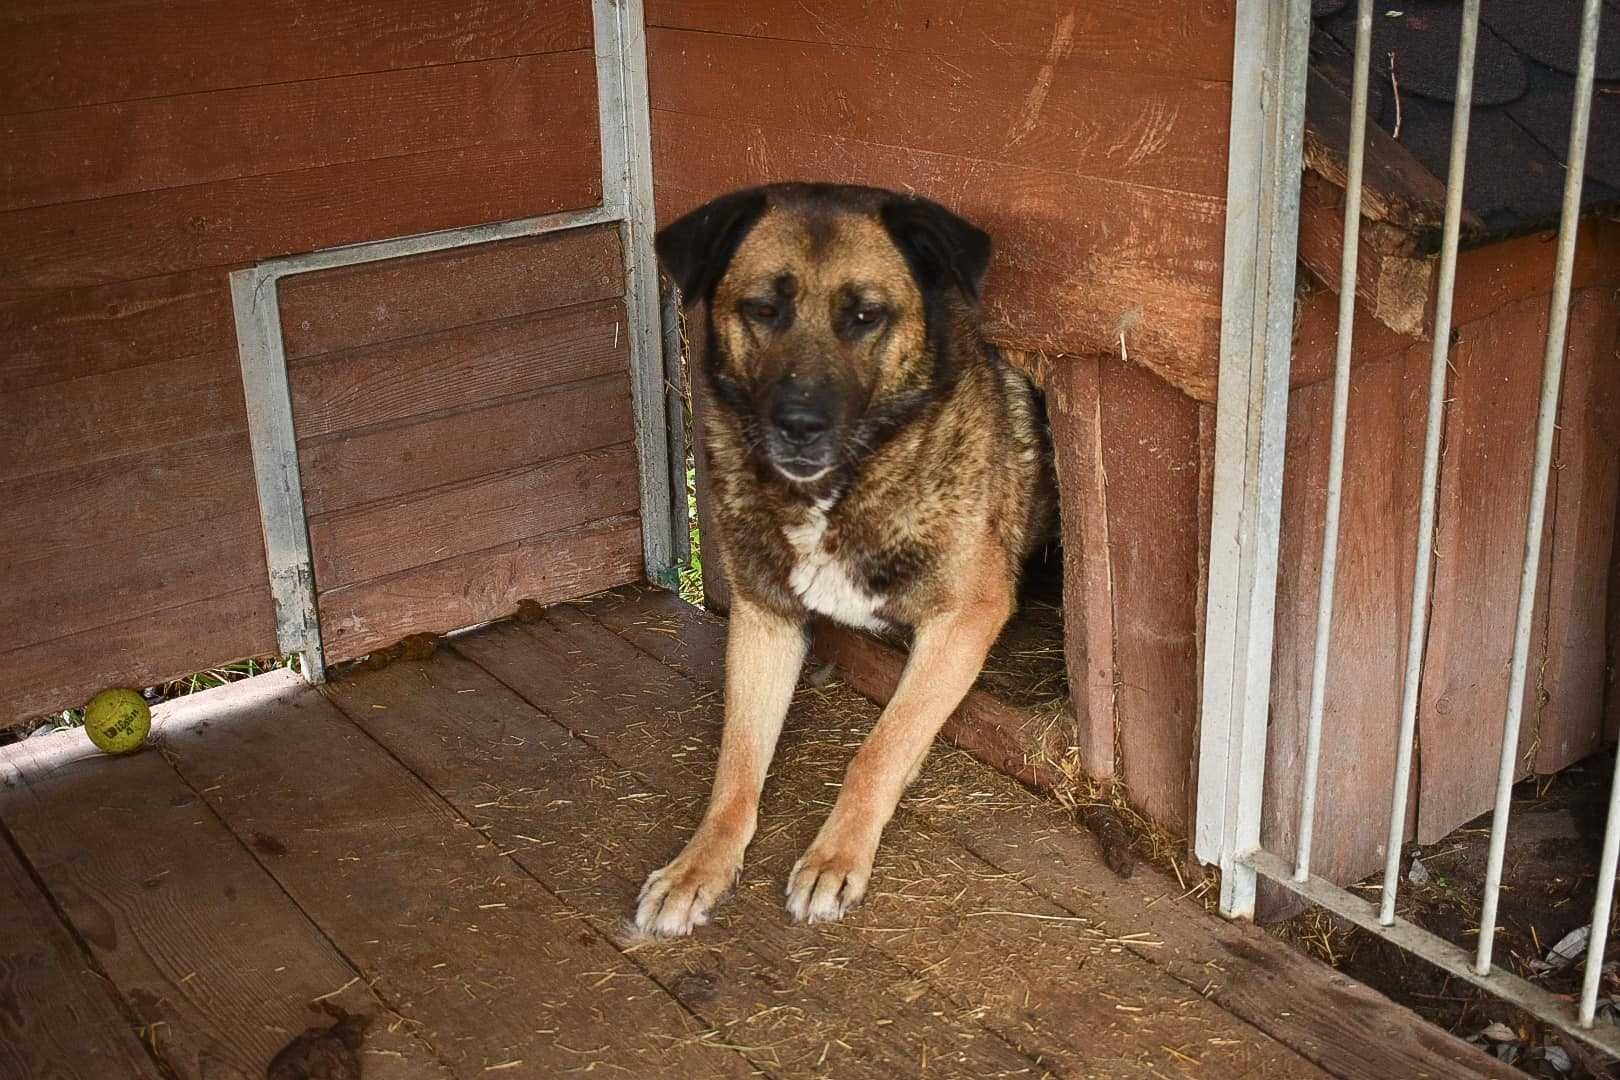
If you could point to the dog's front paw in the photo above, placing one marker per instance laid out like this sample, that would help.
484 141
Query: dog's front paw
677 899
829 880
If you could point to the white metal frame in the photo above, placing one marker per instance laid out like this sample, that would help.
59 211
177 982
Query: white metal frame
1267 120
1251 414
627 200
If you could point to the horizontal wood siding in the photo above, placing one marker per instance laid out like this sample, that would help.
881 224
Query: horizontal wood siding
77 54
464 590
1016 116
148 149
1189 38
453 468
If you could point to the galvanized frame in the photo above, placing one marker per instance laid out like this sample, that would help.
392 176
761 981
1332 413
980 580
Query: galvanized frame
1251 414
1234 718
627 200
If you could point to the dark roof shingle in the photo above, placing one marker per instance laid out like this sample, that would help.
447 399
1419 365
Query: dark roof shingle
1524 88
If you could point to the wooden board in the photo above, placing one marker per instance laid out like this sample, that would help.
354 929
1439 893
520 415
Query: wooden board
1394 272
1316 335
1489 444
62 56
86 587
354 306
59 1020
845 1021
161 893
96 151
465 590
230 222
1396 187
1059 1000
1142 261
1495 275
468 948
138 649
1059 110
57 336
1150 459
457 367
1073 406
390 535
64 424
1372 601
51 513
355 467
1190 38
1488 278
1340 1025
1583 506
1024 743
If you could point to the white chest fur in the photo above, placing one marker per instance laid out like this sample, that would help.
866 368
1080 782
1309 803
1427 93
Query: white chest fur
823 582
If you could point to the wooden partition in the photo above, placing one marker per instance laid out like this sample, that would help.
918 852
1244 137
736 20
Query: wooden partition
464 429
148 149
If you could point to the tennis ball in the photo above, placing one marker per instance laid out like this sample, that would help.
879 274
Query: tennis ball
117 720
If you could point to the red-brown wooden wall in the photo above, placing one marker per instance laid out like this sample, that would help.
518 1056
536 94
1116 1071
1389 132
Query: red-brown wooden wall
147 149
1495 375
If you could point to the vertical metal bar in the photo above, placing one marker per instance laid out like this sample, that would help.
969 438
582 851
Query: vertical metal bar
1601 908
275 468
1355 155
626 137
1257 310
1552 373
1417 631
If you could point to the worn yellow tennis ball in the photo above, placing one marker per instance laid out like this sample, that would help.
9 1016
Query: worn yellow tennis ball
117 720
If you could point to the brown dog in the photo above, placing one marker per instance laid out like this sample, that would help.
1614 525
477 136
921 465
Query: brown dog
873 461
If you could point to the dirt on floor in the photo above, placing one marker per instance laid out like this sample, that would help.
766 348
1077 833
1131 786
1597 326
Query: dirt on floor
1548 886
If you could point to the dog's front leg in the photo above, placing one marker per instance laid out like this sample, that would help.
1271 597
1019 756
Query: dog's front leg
764 653
947 654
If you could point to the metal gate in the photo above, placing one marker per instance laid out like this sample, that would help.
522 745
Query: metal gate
1269 80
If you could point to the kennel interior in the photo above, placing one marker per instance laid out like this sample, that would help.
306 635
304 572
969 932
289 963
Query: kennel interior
243 420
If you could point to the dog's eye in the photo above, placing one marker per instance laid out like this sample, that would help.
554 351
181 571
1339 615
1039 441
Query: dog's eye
759 310
868 315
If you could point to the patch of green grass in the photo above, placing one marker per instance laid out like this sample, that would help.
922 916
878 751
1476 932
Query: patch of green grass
224 673
691 575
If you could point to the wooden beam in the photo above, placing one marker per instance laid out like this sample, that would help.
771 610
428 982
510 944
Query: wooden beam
1396 187
1394 271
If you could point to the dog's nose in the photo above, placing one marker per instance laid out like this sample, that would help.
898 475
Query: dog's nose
800 423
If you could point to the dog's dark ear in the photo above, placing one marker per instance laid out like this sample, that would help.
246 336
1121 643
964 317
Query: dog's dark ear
696 249
941 248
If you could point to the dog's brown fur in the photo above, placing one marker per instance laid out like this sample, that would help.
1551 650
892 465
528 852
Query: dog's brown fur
917 508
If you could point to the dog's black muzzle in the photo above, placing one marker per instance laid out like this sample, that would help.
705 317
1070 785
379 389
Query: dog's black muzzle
801 428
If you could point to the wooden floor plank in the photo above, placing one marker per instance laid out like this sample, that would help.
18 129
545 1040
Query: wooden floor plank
216 964
1345 1027
490 968
803 1002
1034 974
58 1020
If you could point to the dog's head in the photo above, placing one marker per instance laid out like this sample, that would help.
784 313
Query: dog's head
830 310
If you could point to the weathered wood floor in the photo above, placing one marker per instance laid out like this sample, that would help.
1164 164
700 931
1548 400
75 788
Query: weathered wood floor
451 845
